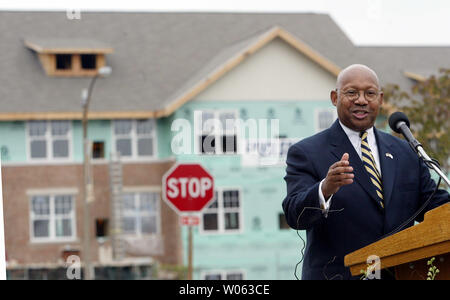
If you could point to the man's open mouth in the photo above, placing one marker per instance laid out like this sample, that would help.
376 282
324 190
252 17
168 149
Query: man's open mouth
360 114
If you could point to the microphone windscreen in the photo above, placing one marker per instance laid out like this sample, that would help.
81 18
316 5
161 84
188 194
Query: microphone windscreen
395 118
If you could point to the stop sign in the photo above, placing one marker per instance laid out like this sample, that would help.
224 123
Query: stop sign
188 188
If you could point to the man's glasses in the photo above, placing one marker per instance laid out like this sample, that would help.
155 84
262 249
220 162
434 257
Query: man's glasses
353 95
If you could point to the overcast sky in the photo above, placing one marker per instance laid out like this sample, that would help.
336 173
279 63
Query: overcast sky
366 22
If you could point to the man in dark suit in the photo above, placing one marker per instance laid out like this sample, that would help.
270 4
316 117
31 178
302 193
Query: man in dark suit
351 184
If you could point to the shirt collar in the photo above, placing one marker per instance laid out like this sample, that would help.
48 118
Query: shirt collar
354 134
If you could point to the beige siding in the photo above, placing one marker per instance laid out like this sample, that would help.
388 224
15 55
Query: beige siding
275 72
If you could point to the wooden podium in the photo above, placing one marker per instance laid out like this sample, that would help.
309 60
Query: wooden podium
409 250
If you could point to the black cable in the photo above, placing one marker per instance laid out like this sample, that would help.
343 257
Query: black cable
428 163
325 267
303 241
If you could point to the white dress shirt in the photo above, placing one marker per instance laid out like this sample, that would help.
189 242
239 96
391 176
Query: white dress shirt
355 140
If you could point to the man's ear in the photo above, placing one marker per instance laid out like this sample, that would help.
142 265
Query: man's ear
334 97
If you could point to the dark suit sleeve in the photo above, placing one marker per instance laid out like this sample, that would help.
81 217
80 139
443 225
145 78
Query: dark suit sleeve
302 190
427 186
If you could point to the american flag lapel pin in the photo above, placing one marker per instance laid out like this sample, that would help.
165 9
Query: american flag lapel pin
389 155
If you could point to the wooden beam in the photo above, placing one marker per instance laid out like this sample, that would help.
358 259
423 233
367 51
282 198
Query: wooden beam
309 52
415 76
76 115
68 50
48 63
78 50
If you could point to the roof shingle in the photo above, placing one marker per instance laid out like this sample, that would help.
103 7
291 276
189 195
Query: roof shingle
157 54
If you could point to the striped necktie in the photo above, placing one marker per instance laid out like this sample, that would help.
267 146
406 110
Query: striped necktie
370 166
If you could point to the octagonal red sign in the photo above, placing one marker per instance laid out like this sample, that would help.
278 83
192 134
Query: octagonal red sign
188 187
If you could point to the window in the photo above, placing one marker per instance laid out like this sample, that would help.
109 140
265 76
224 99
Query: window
141 213
49 140
63 61
135 138
88 61
73 61
217 134
325 118
213 276
223 275
224 213
211 216
267 152
52 218
231 209
70 62
98 149
234 276
101 227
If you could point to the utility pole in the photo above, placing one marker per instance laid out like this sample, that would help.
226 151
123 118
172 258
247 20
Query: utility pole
88 188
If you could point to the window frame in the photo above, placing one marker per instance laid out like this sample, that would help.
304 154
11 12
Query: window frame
251 159
134 136
49 139
92 55
198 132
221 210
103 148
223 273
52 218
65 55
76 69
138 216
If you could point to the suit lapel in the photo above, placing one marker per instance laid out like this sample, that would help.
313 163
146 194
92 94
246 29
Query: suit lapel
340 145
388 162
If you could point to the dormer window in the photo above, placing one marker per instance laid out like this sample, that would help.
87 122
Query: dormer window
63 61
69 58
88 61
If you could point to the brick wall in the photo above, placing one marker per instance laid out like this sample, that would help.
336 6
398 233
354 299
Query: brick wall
17 180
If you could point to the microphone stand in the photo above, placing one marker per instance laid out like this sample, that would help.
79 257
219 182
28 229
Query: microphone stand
403 127
421 152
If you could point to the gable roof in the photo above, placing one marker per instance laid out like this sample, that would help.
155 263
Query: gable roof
159 57
154 55
232 56
69 45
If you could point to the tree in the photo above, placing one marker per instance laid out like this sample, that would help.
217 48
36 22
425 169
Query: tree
427 106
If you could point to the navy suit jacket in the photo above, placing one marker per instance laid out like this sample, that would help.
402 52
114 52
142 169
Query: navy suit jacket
406 186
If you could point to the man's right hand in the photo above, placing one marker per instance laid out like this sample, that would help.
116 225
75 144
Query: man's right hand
339 174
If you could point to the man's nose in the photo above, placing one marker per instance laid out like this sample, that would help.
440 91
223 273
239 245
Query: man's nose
361 99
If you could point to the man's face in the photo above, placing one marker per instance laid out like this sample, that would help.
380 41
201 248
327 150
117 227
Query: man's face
358 114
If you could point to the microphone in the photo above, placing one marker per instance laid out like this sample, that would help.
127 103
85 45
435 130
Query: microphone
399 123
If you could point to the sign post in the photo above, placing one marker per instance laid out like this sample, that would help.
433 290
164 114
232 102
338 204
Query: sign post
187 189
190 253
2 232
